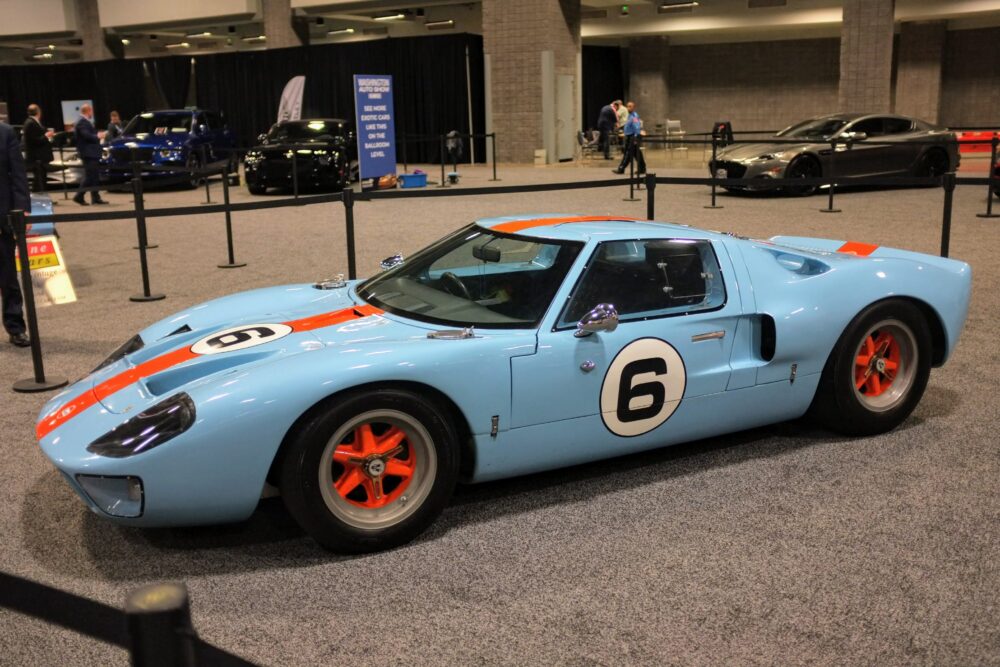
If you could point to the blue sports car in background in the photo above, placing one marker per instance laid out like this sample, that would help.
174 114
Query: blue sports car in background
187 138
512 346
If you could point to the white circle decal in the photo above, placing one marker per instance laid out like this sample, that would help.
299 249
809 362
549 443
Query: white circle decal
240 338
642 388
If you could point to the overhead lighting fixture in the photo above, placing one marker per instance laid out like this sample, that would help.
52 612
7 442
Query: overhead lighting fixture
256 38
42 56
440 25
340 31
46 47
177 45
199 34
126 41
389 17
667 7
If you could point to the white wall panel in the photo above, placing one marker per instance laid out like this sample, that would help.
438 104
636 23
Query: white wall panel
33 17
120 13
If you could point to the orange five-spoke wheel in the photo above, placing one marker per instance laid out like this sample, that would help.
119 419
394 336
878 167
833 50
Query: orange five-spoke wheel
371 472
878 370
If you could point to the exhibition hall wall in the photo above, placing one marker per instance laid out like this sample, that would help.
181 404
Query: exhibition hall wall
970 78
429 73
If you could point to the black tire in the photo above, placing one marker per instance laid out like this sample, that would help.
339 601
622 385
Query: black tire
804 166
256 186
842 405
334 502
193 162
933 163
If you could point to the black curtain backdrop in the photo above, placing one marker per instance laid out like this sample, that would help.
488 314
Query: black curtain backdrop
428 74
603 81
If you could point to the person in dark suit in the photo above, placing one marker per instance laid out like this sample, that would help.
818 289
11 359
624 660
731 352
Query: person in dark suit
13 195
88 147
37 149
607 121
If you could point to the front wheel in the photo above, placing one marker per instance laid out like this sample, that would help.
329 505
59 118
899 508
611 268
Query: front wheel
877 371
193 163
803 167
371 472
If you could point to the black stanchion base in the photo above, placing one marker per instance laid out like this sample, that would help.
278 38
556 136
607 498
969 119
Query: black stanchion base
494 179
631 199
148 247
231 266
143 297
829 210
30 386
988 215
713 206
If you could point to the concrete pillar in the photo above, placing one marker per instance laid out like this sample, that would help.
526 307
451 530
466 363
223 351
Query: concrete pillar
866 56
531 46
88 22
918 70
649 61
277 15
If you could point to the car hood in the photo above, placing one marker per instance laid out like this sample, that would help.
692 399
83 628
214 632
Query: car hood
750 151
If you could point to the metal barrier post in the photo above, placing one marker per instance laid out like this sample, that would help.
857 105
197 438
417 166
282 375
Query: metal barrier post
631 182
63 161
204 164
833 156
443 184
402 145
650 196
493 154
140 224
994 183
948 181
295 173
39 382
715 151
348 198
137 176
159 627
232 263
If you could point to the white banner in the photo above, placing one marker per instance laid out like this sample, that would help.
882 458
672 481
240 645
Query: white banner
290 107
51 281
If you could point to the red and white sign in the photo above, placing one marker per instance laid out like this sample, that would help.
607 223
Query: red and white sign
49 278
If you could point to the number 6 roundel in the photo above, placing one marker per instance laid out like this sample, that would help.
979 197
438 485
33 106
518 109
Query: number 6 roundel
642 388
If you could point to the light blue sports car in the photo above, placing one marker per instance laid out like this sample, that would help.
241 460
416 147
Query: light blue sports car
514 345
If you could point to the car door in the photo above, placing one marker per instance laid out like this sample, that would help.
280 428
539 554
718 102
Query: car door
674 339
865 157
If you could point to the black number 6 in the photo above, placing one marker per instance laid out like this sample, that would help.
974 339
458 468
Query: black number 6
627 392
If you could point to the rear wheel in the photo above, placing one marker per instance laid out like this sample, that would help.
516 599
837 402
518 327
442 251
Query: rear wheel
933 163
372 472
803 167
877 371
255 185
193 163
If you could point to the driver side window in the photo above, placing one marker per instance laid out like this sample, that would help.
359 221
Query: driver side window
647 279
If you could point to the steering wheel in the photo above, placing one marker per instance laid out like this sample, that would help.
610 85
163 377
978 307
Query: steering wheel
453 285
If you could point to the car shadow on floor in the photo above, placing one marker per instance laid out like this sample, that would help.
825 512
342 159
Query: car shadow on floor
271 539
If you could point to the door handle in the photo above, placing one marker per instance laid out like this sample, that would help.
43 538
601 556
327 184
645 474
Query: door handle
712 335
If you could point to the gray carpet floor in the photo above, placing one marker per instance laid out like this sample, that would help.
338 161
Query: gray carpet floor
783 545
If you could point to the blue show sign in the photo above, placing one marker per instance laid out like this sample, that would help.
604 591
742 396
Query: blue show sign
376 129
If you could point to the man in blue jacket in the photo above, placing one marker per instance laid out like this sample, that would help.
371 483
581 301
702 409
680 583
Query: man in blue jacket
88 147
633 140
13 195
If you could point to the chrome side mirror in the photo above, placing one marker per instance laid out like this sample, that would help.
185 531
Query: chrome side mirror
604 317
391 261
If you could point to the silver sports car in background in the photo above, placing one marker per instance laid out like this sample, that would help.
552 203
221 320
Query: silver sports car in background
867 145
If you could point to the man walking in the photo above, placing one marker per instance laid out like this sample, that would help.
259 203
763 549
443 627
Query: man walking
13 195
37 149
633 140
88 147
607 120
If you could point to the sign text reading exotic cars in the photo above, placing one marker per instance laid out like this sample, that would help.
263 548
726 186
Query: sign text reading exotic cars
376 129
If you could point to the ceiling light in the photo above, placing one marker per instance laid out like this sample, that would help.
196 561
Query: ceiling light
199 34
42 56
177 45
440 25
46 47
257 38
389 17
667 7
126 41
340 31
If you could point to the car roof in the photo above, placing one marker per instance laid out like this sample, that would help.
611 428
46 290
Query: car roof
575 227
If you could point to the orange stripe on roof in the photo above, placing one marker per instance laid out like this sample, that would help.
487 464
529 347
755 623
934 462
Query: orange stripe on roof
519 225
173 358
859 249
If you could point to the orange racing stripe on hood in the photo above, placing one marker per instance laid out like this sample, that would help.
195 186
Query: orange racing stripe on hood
519 225
859 249
151 367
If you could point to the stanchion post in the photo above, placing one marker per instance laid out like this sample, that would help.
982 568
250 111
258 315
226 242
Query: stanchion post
715 153
833 159
39 382
993 185
137 176
402 145
159 627
204 164
631 182
62 160
650 196
348 199
493 154
948 181
140 224
441 142
232 263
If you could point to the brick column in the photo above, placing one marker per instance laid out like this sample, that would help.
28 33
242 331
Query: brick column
918 71
866 56
88 22
649 60
528 44
277 15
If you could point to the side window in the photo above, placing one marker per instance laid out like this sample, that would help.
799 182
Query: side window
648 278
898 125
873 127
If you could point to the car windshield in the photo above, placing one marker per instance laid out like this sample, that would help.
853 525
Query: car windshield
818 128
159 123
321 131
475 277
